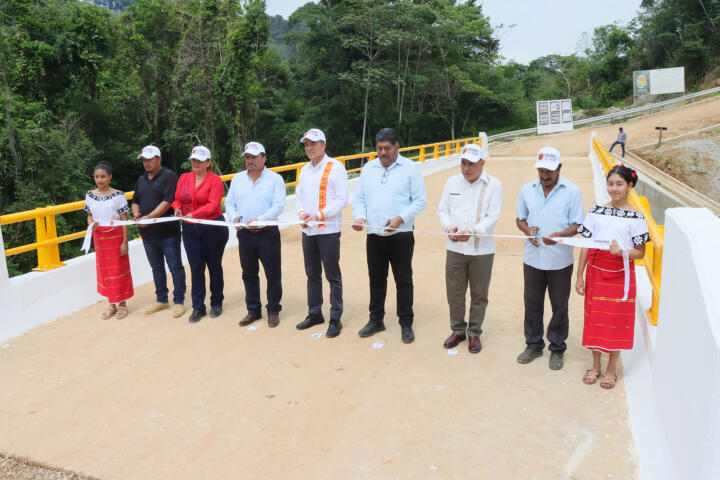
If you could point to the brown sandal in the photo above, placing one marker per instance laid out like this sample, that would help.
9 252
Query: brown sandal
122 313
590 377
109 312
608 381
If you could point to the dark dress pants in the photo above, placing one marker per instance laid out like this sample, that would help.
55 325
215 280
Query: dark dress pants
159 251
255 248
557 283
322 252
204 246
397 251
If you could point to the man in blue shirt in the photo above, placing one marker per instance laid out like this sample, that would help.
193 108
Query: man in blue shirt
390 194
548 207
258 194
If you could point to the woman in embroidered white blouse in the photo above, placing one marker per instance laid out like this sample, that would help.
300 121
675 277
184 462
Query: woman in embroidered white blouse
111 243
609 286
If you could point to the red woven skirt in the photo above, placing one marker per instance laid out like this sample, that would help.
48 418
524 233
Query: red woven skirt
609 321
113 270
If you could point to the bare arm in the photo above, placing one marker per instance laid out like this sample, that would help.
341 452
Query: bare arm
571 231
528 230
635 254
582 262
124 245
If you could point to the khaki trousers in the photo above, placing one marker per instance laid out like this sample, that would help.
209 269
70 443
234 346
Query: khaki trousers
461 270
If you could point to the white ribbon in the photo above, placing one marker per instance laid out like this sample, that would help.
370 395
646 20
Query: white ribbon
570 241
626 267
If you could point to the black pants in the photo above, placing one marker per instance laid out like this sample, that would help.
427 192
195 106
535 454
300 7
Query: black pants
322 252
205 245
261 247
397 251
557 283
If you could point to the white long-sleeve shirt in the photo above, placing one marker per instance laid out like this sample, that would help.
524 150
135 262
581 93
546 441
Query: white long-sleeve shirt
307 195
459 208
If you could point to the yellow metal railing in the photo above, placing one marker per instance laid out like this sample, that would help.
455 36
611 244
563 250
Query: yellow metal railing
47 242
654 248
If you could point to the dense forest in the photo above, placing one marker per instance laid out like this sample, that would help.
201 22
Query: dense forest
80 83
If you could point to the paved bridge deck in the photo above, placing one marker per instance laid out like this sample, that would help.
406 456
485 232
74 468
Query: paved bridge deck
152 397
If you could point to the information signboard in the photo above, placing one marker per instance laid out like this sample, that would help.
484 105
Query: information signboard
658 81
554 116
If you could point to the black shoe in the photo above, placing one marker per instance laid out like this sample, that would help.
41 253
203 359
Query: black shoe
371 328
407 334
334 329
195 316
215 312
528 355
556 360
311 320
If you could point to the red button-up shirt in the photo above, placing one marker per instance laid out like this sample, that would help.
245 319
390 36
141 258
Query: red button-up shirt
203 201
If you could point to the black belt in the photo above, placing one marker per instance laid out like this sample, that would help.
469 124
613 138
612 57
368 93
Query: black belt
258 230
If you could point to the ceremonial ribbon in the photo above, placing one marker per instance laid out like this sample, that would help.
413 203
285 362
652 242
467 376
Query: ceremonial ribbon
580 242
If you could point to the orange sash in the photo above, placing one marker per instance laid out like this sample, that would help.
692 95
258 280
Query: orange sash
323 193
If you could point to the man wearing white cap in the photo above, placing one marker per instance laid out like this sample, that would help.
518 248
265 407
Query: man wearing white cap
389 195
154 193
548 207
320 196
470 205
258 194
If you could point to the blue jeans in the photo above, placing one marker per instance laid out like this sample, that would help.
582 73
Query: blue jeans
158 251
205 245
622 144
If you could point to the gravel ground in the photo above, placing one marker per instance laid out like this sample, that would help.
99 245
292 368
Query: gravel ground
14 468
694 160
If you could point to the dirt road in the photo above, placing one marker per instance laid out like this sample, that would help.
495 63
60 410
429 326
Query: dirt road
156 398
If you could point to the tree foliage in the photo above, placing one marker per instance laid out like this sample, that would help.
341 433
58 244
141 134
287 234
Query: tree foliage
80 83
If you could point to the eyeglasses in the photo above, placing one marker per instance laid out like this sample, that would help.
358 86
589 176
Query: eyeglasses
385 176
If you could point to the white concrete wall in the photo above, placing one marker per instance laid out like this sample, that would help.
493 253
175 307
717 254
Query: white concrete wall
672 375
35 298
686 366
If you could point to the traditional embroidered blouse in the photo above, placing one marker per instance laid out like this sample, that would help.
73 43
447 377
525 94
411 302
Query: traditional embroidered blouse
628 227
106 207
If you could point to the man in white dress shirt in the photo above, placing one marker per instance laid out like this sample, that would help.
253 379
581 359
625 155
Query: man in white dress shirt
320 196
470 205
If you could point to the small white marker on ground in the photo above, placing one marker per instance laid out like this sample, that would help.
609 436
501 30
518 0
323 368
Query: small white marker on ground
453 352
316 335
378 345
252 328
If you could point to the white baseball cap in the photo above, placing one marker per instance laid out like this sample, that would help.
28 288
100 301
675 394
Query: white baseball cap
314 134
471 152
254 148
200 153
548 158
149 152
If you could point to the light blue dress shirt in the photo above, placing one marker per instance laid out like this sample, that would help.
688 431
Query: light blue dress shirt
262 200
383 194
556 212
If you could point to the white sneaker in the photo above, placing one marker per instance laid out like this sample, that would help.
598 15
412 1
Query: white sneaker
178 310
156 308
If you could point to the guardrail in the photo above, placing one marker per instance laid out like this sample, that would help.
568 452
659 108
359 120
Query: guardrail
611 116
654 248
47 240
